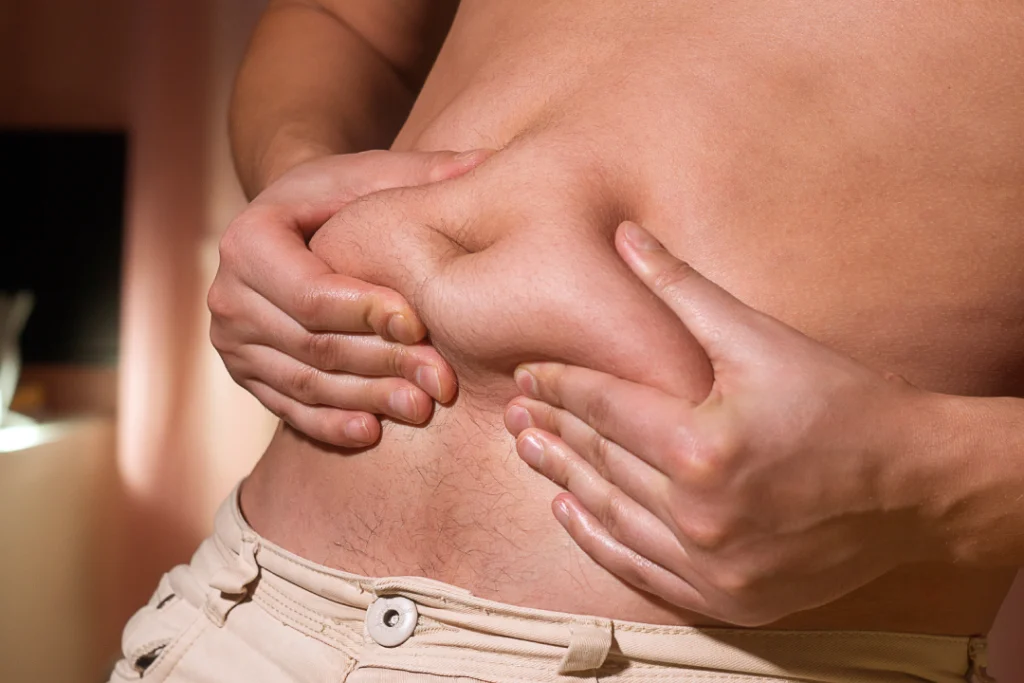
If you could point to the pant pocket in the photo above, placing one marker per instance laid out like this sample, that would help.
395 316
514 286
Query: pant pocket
150 637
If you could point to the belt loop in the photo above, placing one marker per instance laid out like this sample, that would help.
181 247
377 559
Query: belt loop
230 583
589 644
978 652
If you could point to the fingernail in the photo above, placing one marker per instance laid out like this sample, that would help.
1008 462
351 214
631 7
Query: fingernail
561 511
357 430
517 419
526 382
429 380
640 238
399 329
531 450
403 404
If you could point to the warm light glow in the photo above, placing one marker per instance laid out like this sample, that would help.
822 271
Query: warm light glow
21 437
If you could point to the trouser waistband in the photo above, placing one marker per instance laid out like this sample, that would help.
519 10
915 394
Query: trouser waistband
575 643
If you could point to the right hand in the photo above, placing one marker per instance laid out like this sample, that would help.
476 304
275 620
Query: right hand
324 352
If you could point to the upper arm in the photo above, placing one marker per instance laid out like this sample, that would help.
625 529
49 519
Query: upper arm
329 77
407 34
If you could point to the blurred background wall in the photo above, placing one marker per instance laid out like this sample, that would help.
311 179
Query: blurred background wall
90 519
145 450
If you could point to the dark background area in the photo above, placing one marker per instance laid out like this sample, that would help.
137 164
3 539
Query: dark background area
63 196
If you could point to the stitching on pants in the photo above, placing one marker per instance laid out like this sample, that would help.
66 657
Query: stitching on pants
295 618
323 634
282 608
441 665
363 585
447 659
846 635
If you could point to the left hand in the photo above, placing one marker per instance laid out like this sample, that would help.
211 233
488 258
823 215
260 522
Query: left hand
790 485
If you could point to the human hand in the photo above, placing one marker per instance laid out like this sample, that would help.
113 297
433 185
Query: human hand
790 485
322 351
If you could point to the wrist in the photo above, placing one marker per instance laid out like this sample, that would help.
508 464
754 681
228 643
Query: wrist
923 458
958 480
983 515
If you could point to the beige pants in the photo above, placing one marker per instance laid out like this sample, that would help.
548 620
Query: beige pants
248 611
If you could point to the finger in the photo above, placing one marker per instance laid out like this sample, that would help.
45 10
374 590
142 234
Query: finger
720 322
623 517
360 354
622 561
278 265
344 428
372 356
267 243
313 192
383 170
637 479
300 382
643 420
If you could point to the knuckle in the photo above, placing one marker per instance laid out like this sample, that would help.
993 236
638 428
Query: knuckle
636 570
708 462
598 408
397 361
550 419
707 534
737 584
640 575
674 276
323 350
303 383
681 444
379 303
230 245
220 304
309 307
613 514
601 453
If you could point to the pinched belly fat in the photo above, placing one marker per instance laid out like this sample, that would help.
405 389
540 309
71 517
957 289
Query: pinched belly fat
514 262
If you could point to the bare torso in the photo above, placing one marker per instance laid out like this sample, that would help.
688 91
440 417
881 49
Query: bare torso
854 169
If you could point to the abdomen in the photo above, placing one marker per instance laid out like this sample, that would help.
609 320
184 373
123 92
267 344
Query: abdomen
831 181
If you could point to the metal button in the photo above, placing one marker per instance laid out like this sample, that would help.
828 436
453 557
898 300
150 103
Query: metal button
391 621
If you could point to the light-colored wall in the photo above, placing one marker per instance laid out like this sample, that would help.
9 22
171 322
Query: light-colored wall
55 540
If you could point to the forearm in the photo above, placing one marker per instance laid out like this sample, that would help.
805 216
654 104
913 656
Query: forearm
977 493
311 84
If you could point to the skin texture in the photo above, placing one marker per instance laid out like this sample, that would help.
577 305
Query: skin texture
855 180
708 503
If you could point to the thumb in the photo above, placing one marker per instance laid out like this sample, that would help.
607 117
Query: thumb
383 170
722 324
310 193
